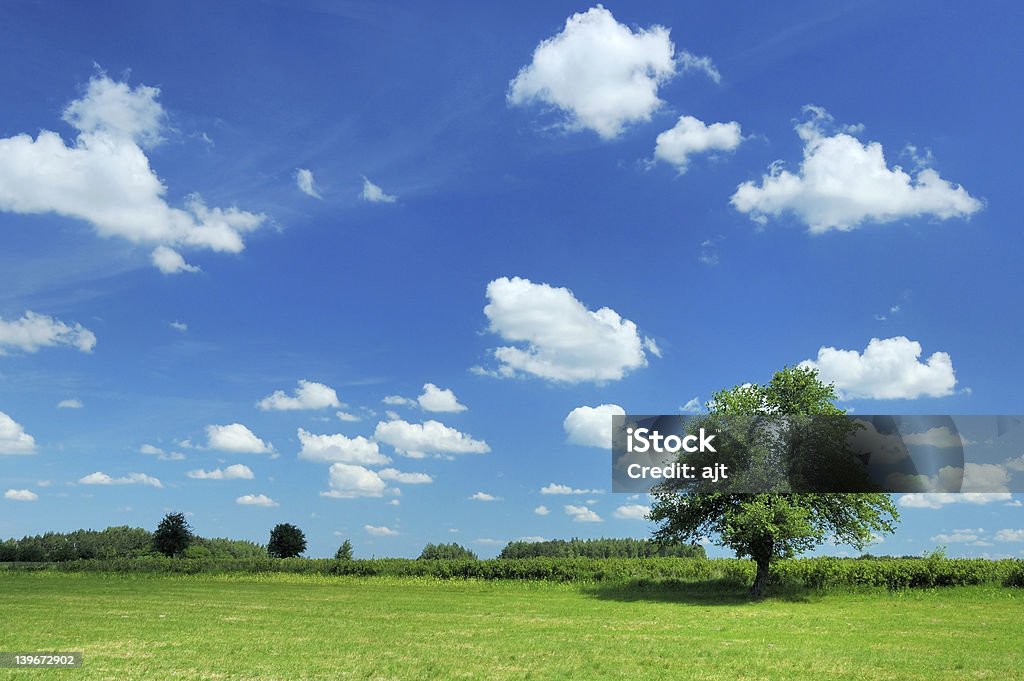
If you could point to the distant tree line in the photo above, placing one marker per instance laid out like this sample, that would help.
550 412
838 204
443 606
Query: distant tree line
600 548
116 542
451 551
174 538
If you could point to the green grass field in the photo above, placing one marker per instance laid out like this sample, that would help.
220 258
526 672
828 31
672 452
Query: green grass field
311 627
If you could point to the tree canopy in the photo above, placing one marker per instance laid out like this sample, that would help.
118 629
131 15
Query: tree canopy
286 541
344 551
770 526
173 535
451 551
600 548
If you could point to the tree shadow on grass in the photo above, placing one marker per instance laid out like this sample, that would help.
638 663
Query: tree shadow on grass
708 592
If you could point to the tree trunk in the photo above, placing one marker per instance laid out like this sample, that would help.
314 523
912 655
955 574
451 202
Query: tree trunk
761 578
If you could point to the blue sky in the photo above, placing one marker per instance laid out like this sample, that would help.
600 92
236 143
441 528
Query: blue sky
507 217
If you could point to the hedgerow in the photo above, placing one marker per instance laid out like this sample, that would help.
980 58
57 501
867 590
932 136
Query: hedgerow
894 573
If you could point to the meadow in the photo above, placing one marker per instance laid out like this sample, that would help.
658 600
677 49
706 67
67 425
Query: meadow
313 626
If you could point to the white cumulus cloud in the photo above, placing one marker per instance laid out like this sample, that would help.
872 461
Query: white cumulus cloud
484 496
339 448
439 399
591 426
234 472
236 438
405 478
632 512
306 184
380 531
13 438
308 395
582 514
939 436
20 495
169 261
34 331
602 74
555 488
1010 535
542 510
99 478
119 111
983 477
348 481
561 340
431 437
256 500
151 450
73 403
692 136
692 406
374 194
843 183
104 177
888 369
939 499
958 536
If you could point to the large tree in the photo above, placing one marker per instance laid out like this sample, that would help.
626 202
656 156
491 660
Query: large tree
768 526
173 535
286 541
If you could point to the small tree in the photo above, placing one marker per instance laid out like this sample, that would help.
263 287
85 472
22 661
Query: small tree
286 541
344 551
769 526
173 535
451 551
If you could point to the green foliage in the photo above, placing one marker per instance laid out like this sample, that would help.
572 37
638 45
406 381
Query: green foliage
344 551
232 548
1015 575
81 544
286 541
451 551
600 548
115 542
197 552
770 526
813 573
173 535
